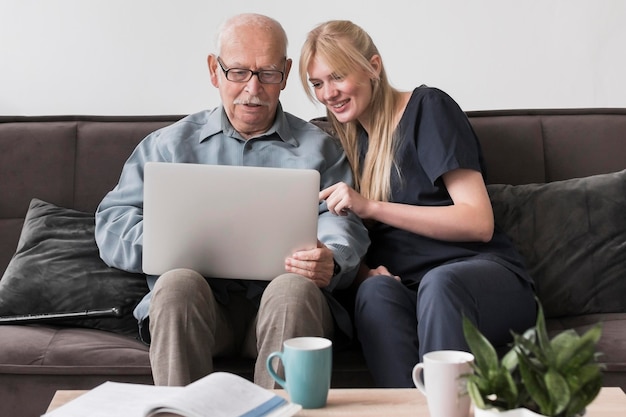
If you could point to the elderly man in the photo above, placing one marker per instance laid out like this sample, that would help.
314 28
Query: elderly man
188 319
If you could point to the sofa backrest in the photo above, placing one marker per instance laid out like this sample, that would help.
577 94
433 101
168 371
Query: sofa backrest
73 161
70 161
537 146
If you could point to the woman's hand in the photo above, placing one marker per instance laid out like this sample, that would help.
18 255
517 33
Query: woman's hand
341 198
365 272
382 270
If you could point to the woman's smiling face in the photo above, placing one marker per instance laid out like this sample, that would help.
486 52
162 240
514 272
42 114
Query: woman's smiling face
346 96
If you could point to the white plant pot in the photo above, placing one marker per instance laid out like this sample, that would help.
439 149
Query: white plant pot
517 412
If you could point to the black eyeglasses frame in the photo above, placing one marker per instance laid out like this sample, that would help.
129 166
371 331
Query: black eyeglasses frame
251 73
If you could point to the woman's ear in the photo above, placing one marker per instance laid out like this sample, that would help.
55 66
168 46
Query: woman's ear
377 64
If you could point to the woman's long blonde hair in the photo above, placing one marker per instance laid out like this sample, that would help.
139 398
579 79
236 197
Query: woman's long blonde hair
347 48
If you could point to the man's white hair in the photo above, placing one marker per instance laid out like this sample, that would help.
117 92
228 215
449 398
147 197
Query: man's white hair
261 22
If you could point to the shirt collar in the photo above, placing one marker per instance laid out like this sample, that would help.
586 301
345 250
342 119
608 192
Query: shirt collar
217 122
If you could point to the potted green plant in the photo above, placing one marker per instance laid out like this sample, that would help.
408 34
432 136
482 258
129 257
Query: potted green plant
537 376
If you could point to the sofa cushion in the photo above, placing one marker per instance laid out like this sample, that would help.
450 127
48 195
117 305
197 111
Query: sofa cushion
57 269
45 349
572 234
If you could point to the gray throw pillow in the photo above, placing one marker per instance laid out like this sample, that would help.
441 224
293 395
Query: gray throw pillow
57 269
572 234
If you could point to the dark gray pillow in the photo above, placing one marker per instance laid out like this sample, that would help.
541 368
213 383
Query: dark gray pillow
57 269
572 234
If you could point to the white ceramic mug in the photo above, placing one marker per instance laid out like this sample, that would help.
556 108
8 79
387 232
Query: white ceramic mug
441 378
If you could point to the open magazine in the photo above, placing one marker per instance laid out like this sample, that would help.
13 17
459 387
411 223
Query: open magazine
219 394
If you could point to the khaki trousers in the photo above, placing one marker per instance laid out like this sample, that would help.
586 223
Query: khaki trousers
188 327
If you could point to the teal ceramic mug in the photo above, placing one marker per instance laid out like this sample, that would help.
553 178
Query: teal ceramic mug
307 362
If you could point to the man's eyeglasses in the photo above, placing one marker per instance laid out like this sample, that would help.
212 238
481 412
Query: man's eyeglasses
242 75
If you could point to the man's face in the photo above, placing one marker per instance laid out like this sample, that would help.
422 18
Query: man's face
250 105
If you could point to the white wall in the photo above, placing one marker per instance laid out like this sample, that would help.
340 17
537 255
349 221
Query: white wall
148 56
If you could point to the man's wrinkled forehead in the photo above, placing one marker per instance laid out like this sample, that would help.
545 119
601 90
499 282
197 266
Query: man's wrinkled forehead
239 51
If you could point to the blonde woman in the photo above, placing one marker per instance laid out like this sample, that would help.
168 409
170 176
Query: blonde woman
435 255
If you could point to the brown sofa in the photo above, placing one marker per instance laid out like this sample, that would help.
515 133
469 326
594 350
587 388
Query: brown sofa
532 158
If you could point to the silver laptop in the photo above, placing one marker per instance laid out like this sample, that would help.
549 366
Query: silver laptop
227 221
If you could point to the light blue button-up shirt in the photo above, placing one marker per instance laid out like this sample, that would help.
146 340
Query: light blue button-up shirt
208 137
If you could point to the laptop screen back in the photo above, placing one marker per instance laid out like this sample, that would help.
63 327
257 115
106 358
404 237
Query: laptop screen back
227 221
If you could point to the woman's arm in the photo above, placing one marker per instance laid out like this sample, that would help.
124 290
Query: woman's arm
470 218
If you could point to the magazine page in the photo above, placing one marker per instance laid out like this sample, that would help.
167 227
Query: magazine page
222 394
119 399
216 395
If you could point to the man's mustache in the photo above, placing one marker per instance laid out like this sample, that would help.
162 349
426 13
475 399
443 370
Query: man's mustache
254 100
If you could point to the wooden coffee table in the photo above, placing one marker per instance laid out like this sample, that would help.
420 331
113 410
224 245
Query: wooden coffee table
611 402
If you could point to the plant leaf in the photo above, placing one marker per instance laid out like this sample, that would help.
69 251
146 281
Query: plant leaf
485 356
564 341
475 395
585 395
542 336
509 360
558 390
508 389
581 350
534 383
527 348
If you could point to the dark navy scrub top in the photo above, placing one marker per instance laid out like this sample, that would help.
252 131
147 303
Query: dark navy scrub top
434 136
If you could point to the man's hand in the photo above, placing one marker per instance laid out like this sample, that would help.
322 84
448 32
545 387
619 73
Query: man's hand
316 264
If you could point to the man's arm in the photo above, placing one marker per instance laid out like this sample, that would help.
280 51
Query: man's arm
119 217
345 235
348 239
